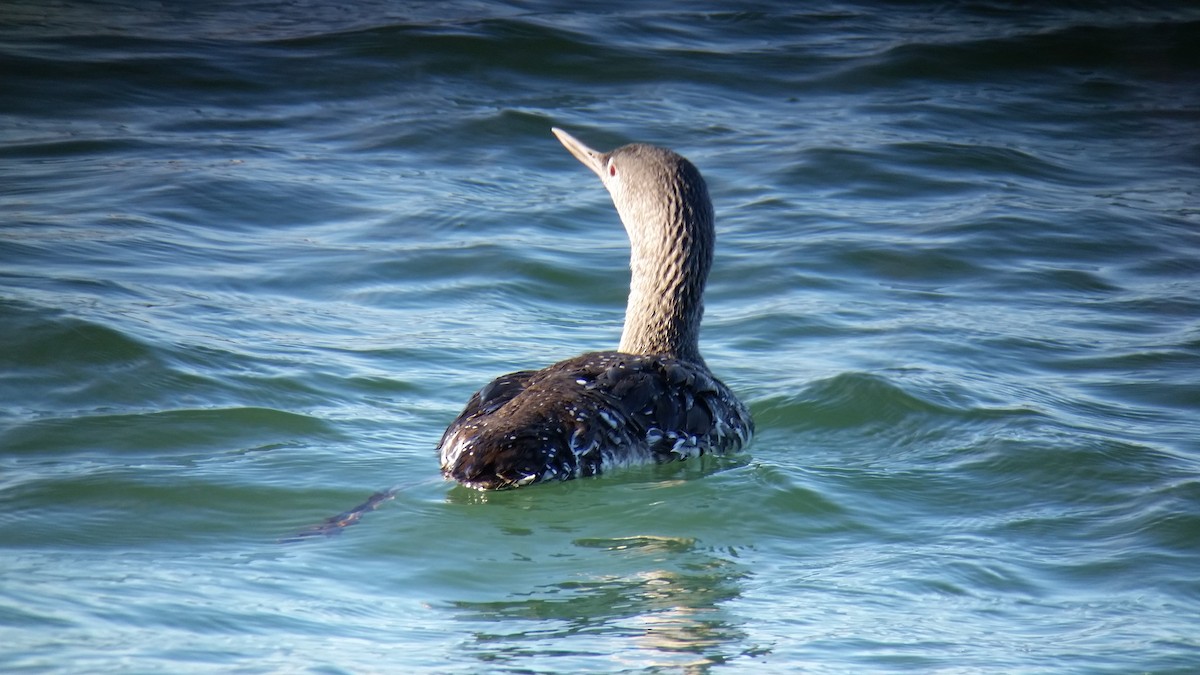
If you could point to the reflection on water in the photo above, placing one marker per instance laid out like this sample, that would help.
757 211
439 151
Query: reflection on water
656 617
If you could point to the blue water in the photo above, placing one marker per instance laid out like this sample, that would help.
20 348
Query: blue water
255 256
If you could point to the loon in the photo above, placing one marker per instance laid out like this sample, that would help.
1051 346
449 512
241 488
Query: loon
651 400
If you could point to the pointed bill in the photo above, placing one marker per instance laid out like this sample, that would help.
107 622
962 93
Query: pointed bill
592 159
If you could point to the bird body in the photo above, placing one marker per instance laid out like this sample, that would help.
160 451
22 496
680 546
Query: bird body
652 400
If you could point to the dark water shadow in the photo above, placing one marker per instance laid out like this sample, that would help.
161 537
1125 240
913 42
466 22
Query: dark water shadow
334 525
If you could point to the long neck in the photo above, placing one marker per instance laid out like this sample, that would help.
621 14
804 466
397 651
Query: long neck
672 250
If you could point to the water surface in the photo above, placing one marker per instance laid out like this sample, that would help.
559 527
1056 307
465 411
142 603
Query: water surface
254 258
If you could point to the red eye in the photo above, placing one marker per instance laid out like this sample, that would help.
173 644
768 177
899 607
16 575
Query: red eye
612 169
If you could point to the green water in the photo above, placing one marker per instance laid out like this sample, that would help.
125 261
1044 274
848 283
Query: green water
254 258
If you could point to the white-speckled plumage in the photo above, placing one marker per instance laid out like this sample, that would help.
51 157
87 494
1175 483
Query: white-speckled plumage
652 400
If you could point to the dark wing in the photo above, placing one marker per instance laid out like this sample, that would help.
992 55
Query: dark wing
677 409
491 398
583 415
